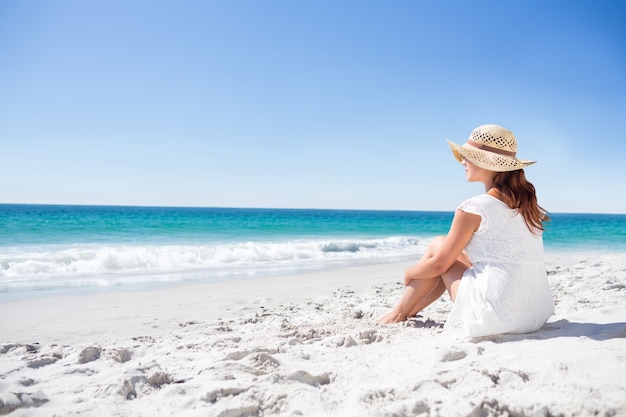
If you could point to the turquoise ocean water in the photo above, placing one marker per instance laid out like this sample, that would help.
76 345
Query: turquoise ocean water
51 249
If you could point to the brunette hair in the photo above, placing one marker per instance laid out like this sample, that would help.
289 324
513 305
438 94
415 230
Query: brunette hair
519 194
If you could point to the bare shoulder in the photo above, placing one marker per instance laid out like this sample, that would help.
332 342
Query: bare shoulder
466 220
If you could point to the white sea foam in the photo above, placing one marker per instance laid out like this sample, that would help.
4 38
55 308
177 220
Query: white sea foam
105 265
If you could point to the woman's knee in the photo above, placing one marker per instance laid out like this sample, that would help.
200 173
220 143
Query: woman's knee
433 246
436 242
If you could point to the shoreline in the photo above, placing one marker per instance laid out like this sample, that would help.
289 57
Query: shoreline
308 345
83 313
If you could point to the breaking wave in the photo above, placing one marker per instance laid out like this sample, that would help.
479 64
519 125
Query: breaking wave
112 264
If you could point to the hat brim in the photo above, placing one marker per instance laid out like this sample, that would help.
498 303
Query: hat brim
486 159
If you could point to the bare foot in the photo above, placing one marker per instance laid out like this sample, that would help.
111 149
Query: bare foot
391 318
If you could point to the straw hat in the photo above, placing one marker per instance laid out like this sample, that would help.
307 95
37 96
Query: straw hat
490 147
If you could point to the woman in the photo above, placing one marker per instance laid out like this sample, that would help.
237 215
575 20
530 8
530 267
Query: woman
491 260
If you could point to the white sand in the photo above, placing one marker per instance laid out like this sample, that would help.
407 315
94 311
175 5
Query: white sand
309 345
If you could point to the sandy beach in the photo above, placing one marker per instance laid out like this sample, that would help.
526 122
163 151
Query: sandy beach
308 345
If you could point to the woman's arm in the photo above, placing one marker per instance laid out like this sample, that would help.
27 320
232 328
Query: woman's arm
463 227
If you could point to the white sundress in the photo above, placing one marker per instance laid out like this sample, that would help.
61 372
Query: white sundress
506 290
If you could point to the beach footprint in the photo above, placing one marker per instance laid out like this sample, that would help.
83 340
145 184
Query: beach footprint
369 336
453 355
255 362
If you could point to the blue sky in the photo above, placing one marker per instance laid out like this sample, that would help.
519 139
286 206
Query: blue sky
307 104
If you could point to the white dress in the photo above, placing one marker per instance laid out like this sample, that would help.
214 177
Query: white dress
506 290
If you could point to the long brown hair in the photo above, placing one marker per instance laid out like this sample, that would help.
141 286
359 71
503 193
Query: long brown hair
520 194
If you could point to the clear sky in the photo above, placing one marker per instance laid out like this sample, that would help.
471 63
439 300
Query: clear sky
307 103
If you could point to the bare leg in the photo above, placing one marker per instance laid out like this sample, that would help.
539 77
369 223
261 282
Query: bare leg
452 277
416 293
434 295
420 293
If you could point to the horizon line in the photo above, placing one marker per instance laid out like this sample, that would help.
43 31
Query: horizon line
267 208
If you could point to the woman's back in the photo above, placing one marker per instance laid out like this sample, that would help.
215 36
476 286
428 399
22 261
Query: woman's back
503 234
506 290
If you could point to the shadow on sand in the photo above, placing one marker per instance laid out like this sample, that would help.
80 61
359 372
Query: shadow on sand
565 328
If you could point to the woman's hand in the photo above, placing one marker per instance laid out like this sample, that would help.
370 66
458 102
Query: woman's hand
443 252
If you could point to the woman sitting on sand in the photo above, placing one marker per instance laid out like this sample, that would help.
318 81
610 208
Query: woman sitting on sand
491 260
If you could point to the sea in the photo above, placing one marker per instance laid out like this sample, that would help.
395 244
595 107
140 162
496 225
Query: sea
57 249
